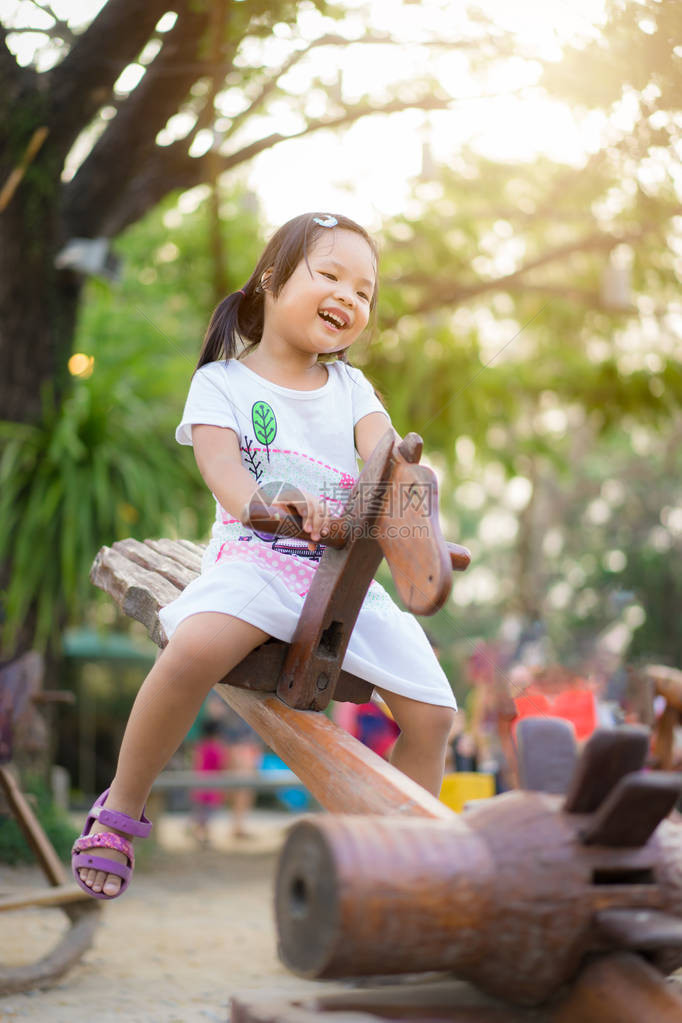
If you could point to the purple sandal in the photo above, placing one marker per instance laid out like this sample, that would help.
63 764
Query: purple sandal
81 854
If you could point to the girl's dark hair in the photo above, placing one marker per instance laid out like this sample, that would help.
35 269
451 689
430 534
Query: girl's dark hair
239 317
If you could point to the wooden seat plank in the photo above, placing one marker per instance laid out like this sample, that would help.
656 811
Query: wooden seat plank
143 554
194 548
172 549
139 593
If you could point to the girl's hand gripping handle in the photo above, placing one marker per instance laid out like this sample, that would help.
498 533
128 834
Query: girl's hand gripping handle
296 515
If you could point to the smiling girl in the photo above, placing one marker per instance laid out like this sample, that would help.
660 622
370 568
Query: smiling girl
273 403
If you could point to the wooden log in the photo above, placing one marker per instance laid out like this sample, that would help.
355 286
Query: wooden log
620 988
337 770
369 895
510 900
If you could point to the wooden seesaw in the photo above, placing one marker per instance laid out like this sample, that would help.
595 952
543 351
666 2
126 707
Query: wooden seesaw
527 895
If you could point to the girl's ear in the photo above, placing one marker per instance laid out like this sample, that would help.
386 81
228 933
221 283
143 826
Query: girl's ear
265 277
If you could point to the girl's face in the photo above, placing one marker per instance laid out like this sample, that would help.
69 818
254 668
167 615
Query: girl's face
325 304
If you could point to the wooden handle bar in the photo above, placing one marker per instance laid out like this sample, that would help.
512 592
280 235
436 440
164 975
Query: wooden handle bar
460 557
289 525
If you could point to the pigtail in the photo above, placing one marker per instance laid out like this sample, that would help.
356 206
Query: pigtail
235 320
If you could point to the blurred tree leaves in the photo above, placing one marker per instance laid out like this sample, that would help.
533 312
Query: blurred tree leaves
531 331
103 464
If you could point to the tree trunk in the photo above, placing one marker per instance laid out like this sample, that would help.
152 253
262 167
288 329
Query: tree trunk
38 303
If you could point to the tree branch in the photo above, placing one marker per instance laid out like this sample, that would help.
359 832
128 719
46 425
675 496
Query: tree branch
83 81
61 29
442 293
170 167
128 145
376 39
349 116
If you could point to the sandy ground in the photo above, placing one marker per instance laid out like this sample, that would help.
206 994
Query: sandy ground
195 927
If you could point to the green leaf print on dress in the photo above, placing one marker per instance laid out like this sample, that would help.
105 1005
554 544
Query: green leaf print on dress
264 424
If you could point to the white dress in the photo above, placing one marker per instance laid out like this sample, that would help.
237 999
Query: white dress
303 438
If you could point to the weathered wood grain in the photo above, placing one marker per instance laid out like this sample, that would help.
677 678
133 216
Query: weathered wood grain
139 593
177 552
168 568
509 899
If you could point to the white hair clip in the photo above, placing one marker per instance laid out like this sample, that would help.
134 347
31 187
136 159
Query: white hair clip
327 221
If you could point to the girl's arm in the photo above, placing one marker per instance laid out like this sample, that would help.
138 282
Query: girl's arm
368 432
216 449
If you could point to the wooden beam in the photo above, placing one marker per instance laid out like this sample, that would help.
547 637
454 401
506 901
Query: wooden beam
341 773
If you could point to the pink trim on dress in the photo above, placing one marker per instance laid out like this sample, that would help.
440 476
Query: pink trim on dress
293 571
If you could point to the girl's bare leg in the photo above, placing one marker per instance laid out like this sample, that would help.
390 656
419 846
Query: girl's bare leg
419 751
202 650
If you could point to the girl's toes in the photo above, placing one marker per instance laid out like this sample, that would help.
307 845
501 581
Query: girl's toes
87 876
98 883
112 884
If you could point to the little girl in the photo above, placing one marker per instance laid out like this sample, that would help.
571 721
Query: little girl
273 400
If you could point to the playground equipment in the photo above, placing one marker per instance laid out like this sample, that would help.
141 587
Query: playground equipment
521 892
20 685
514 895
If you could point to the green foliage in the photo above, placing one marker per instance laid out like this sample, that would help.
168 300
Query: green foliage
636 49
498 331
149 327
625 566
13 846
104 465
92 471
